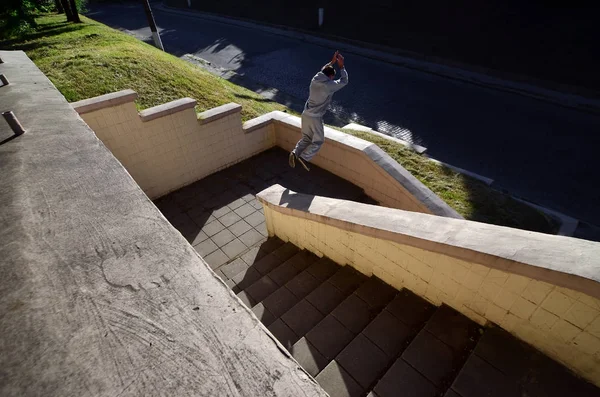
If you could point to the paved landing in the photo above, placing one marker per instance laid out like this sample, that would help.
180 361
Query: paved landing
221 217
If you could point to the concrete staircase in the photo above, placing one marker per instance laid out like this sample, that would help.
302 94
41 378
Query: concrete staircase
359 336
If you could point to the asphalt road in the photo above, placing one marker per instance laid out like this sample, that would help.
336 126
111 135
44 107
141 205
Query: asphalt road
536 150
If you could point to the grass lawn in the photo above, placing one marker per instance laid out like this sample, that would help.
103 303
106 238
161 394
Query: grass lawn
90 59
470 197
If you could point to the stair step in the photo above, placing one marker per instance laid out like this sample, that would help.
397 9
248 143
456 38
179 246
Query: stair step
339 328
275 258
339 382
333 291
436 354
283 299
378 344
501 360
268 284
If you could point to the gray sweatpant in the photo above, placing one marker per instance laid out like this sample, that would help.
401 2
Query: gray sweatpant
313 135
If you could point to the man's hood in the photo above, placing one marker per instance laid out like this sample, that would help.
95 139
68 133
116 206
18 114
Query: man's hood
321 77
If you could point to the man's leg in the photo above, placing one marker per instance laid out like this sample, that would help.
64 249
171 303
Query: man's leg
304 142
318 137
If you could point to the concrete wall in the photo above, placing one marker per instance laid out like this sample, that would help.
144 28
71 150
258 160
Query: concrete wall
169 146
544 289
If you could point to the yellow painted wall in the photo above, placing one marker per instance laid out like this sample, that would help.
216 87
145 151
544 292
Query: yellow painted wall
174 150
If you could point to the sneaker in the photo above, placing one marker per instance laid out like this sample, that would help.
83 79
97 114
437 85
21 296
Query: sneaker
292 160
303 163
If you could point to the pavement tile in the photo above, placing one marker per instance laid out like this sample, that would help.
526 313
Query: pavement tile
239 228
302 317
261 288
202 218
283 333
453 328
234 267
329 336
234 248
479 378
216 259
347 279
263 314
262 229
402 378
221 211
223 237
213 228
303 284
325 297
206 247
309 357
246 277
255 219
280 301
255 203
353 313
431 357
245 210
252 237
199 237
323 268
411 309
246 299
364 361
248 197
236 204
376 293
229 219
388 333
337 382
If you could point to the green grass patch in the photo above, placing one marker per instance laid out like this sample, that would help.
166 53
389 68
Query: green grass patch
90 59
470 197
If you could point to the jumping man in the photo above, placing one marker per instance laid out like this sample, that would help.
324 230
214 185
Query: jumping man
322 88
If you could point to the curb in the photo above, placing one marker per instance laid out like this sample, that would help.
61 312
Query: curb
568 225
573 101
357 127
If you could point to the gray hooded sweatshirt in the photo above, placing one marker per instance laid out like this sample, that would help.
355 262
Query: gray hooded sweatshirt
321 92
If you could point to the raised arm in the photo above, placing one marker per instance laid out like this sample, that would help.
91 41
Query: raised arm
340 83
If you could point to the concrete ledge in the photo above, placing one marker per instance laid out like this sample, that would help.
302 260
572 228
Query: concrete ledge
104 101
486 180
257 123
167 108
558 260
219 112
432 201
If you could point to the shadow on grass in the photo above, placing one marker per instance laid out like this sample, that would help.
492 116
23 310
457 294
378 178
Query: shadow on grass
24 43
488 205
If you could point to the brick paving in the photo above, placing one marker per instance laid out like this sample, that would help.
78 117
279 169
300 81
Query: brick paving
221 217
